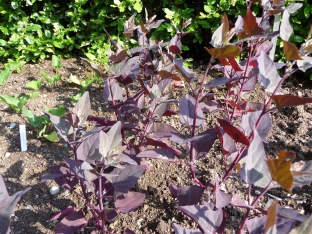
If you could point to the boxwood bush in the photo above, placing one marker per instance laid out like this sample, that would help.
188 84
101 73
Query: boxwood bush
33 30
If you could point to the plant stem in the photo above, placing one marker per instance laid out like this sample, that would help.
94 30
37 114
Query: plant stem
192 167
241 228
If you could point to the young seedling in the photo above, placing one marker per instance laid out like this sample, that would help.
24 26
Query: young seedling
8 69
17 102
52 80
42 124
84 84
34 84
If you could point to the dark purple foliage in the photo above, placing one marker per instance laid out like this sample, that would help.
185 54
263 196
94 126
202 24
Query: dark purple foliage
189 195
7 206
209 220
108 161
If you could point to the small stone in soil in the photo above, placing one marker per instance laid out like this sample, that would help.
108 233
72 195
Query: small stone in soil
54 190
7 154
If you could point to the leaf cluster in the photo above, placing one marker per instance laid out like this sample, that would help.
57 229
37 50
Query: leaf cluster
107 161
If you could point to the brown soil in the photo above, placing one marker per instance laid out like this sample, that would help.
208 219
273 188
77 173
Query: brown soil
292 130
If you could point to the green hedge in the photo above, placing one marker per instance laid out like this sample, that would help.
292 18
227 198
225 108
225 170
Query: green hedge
33 30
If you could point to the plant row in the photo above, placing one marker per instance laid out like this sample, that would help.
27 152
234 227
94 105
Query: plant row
107 161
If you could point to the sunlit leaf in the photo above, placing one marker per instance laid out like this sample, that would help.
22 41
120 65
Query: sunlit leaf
271 217
291 51
233 132
280 168
269 77
290 100
250 25
226 51
34 84
255 169
51 137
302 173
303 228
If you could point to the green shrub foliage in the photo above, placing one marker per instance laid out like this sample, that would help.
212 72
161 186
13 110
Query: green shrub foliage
33 30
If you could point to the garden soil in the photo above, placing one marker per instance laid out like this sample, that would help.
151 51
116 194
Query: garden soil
292 130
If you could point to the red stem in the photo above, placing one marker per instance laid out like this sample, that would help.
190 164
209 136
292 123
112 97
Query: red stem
192 167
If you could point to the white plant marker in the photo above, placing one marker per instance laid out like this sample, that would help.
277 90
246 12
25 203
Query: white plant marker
22 130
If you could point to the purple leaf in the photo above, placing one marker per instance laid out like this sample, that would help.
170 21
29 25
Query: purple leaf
209 220
237 201
88 147
187 109
217 82
101 121
95 68
181 230
203 145
7 205
211 106
62 176
222 198
128 231
249 121
84 175
82 108
250 84
163 130
291 214
286 29
63 213
186 73
108 214
127 177
158 106
142 39
129 66
118 56
255 169
305 63
110 145
257 225
161 154
226 141
233 132
111 85
73 120
174 190
265 47
302 173
62 126
269 78
284 225
107 186
162 144
189 195
156 24
175 45
129 27
303 228
71 223
129 201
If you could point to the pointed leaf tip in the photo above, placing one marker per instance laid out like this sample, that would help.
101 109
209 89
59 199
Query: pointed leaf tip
289 100
223 52
233 132
280 168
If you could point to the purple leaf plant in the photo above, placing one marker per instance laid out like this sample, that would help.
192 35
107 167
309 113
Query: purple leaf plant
106 160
